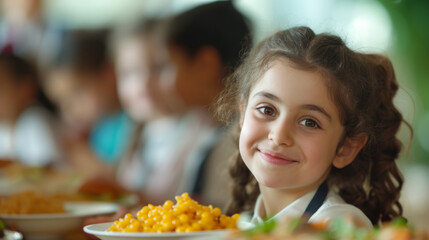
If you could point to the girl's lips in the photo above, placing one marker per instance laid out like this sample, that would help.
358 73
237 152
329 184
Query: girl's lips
275 158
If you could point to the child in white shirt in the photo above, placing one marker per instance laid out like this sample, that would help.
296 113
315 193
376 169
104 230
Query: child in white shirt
27 127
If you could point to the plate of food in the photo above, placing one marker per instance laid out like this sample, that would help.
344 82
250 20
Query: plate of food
101 230
186 219
42 217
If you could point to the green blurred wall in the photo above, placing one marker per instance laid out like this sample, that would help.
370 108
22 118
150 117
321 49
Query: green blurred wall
410 20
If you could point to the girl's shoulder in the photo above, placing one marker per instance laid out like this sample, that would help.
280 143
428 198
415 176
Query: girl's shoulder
335 207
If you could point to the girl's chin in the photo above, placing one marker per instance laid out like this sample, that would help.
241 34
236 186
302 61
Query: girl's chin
270 182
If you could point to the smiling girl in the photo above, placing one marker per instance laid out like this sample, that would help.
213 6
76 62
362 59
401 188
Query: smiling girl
317 131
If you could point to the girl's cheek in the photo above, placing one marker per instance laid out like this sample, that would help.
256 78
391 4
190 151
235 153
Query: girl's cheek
246 136
242 146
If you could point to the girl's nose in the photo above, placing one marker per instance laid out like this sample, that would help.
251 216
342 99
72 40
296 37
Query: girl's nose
281 133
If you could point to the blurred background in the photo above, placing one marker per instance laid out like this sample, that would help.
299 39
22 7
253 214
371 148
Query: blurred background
393 27
397 28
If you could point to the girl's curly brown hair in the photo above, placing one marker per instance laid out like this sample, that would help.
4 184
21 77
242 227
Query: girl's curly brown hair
362 86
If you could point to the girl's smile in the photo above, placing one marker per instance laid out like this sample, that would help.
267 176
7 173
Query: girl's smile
275 158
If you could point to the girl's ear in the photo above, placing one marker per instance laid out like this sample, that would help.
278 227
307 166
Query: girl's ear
349 150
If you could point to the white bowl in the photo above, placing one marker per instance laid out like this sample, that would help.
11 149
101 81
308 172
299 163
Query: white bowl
54 226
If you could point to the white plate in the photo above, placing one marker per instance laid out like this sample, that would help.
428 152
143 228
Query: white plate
100 230
54 226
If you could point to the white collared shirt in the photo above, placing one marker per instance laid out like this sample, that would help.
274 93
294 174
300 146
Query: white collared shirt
333 207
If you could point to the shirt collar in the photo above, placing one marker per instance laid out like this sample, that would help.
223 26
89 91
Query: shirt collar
295 209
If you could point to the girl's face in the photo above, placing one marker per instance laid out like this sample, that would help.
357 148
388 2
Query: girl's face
290 129
140 64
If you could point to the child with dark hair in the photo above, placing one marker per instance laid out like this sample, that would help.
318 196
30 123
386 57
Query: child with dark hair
27 127
204 46
317 131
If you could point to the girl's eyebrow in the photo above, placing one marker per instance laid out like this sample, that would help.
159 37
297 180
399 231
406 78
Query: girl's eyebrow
266 95
316 108
310 107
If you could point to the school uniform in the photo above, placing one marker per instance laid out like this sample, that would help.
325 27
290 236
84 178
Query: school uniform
330 206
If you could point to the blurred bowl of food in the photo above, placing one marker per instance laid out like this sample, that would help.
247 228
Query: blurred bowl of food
45 217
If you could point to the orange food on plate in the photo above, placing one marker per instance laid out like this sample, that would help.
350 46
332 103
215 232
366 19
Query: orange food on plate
186 215
31 203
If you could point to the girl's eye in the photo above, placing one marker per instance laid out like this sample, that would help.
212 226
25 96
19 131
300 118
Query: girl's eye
309 123
267 111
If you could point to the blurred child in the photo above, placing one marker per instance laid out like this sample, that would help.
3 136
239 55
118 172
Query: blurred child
80 79
140 60
169 140
27 127
204 46
317 131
